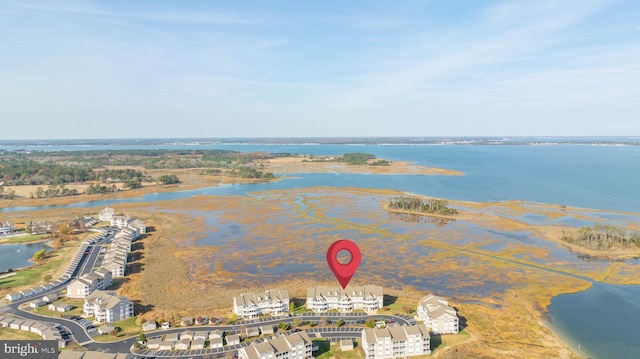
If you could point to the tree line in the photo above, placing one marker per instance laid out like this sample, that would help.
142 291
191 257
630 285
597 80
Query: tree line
415 204
603 237
351 158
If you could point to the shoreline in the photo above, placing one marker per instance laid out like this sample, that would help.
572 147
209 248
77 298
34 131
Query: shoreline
564 337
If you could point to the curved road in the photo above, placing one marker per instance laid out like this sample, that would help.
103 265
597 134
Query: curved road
80 335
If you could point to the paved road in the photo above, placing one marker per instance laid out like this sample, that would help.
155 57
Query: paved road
77 332
80 335
332 333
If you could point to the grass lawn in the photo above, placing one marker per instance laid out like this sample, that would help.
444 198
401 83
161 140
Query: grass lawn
13 334
31 276
128 328
24 239
328 350
77 303
399 308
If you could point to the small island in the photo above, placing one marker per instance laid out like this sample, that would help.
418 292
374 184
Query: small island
604 241
433 207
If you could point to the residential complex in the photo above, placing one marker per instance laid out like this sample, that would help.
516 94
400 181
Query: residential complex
438 315
322 299
292 346
251 305
88 283
107 307
105 214
6 227
397 341
115 259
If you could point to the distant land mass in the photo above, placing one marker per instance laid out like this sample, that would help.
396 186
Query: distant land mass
498 140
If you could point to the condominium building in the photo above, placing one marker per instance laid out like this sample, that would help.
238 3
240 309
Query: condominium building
6 227
251 305
292 346
438 315
105 214
399 341
88 283
107 307
322 299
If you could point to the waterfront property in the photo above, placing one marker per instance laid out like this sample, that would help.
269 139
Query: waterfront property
252 305
107 307
322 299
292 346
399 341
41 227
6 227
438 315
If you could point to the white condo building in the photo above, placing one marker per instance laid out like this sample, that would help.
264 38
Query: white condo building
105 214
438 315
6 227
252 305
322 299
292 346
107 307
394 342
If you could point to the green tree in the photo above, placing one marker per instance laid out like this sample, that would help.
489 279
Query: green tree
370 323
39 255
340 323
168 179
142 338
132 184
292 306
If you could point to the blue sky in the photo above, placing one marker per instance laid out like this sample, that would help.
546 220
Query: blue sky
135 69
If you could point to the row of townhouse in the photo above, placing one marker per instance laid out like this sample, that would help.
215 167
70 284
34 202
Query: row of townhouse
46 330
50 299
115 259
293 346
6 227
397 341
252 305
34 291
88 283
322 299
438 315
106 306
190 339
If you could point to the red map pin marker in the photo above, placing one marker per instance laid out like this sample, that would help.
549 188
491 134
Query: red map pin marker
343 272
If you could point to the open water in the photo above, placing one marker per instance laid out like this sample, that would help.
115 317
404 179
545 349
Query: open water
603 320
